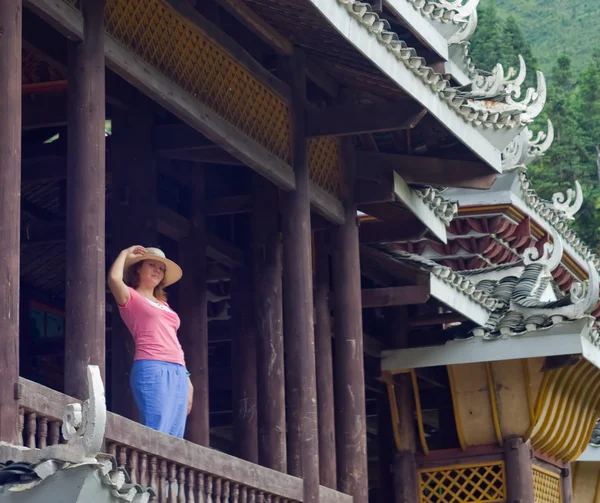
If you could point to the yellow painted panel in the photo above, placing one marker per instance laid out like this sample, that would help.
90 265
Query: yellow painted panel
585 482
472 397
534 370
512 399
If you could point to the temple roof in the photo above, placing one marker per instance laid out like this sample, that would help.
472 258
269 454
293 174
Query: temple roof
37 479
488 102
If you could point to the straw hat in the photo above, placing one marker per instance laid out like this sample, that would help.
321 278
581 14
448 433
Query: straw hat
173 272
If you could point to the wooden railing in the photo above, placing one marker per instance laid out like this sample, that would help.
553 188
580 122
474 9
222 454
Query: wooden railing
179 471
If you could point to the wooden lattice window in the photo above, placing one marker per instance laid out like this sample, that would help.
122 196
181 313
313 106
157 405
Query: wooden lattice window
484 483
546 486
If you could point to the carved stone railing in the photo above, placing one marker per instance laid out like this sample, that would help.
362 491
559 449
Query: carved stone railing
179 471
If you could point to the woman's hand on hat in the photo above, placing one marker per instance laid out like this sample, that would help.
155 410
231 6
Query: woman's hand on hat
135 251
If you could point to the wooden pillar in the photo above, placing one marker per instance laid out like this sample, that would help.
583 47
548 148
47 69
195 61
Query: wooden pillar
298 291
292 343
269 331
325 392
566 484
245 429
519 470
192 306
387 450
406 484
133 221
10 212
86 202
349 360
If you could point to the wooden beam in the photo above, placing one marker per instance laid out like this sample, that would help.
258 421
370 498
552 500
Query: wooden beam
389 232
357 119
232 47
42 110
210 155
426 170
231 205
395 296
240 10
177 227
174 137
10 202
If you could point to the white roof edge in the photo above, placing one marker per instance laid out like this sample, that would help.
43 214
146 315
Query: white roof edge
422 28
560 339
352 30
416 205
457 301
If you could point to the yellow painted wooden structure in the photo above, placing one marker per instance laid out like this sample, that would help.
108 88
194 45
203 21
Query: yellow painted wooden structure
586 482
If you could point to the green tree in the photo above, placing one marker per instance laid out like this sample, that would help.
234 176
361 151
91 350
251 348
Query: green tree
486 43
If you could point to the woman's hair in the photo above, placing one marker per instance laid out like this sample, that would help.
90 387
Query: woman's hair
132 279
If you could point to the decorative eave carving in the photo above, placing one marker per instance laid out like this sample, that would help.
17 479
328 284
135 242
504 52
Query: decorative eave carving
444 209
83 425
473 105
524 149
570 204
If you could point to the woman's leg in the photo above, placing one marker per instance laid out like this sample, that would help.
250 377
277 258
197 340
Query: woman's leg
150 385
180 395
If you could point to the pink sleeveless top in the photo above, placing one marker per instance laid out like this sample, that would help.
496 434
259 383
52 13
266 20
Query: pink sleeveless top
154 329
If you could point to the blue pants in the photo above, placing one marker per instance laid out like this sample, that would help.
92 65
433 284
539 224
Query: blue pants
161 393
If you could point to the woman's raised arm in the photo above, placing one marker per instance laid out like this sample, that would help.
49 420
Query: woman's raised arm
115 275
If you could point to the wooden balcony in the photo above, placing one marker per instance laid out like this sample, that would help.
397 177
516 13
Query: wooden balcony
179 471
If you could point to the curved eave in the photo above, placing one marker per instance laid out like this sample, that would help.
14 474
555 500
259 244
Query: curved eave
368 45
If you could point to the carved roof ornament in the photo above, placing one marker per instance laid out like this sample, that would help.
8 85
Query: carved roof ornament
475 104
551 255
570 204
524 149
83 425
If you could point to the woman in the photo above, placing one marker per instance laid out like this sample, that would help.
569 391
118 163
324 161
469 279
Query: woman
159 380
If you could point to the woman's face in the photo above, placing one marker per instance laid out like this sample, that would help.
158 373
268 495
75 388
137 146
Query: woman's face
151 273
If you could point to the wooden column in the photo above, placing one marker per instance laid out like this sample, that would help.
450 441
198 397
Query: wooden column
349 362
298 289
269 332
325 392
406 484
193 332
10 212
133 221
245 429
566 485
86 201
519 470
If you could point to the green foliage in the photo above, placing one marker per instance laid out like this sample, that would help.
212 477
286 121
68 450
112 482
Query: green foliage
573 103
554 27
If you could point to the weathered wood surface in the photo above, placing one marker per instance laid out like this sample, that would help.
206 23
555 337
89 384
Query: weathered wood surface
159 447
10 211
245 426
395 296
299 285
86 204
149 80
519 474
268 307
193 313
351 425
324 362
